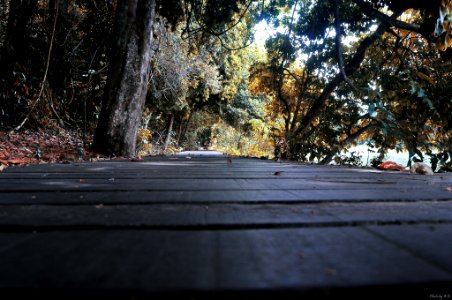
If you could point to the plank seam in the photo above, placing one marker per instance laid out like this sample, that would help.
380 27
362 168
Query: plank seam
21 228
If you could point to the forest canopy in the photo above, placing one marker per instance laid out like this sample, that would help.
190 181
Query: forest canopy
137 77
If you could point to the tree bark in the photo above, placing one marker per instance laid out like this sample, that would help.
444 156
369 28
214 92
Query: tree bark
170 130
126 88
187 124
179 131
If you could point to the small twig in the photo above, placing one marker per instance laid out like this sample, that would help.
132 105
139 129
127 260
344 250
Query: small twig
45 73
50 100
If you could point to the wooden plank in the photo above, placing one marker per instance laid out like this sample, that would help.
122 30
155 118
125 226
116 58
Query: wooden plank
283 259
161 174
34 217
9 240
212 196
114 184
220 173
429 242
156 165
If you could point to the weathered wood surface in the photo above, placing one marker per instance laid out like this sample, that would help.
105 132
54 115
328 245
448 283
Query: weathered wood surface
202 227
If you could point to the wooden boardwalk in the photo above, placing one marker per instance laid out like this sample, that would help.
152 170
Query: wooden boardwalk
201 227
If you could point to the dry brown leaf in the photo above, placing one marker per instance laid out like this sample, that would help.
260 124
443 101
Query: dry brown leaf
331 271
16 161
425 77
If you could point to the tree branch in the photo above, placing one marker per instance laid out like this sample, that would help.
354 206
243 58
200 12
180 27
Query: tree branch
340 59
373 13
350 68
356 135
204 28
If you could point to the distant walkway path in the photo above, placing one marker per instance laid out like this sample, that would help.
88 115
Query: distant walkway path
200 153
201 225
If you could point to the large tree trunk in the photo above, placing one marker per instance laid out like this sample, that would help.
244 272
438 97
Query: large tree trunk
126 88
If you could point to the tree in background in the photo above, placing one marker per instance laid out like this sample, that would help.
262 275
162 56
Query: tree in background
183 77
331 95
127 87
196 74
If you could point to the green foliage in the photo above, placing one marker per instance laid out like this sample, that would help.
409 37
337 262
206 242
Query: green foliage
376 161
395 99
179 78
353 159
280 47
441 161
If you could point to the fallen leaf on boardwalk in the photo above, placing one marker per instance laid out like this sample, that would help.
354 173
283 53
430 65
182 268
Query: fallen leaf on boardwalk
390 166
4 153
278 173
16 161
99 205
301 255
138 158
331 271
448 189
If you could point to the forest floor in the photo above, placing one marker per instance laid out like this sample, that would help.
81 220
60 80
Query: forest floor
42 147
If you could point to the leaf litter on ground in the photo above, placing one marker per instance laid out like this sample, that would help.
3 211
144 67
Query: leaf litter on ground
40 147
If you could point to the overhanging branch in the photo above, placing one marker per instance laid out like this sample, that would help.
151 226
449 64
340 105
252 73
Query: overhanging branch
340 59
373 13
350 68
